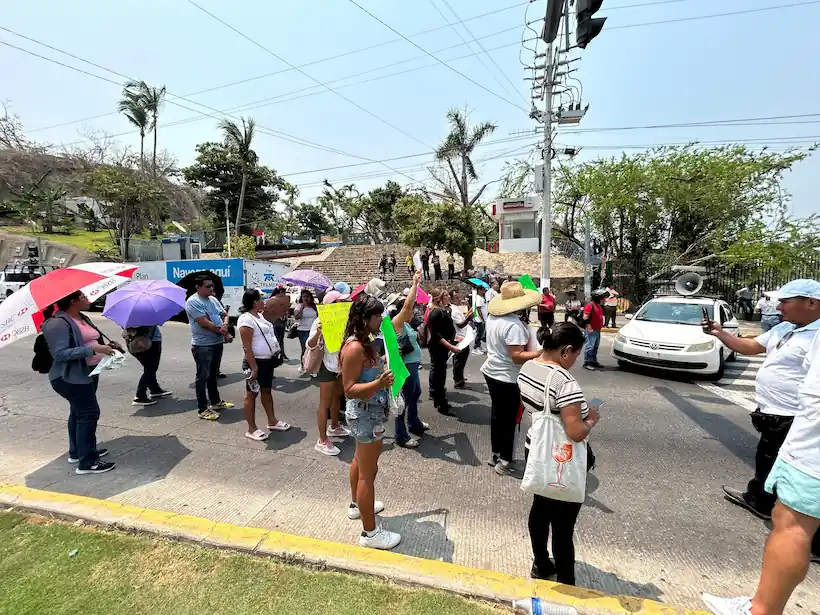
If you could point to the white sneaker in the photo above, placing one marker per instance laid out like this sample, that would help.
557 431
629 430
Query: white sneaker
381 539
728 606
478 351
353 510
339 431
326 448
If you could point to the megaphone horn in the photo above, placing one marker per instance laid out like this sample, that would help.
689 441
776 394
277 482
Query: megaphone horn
689 283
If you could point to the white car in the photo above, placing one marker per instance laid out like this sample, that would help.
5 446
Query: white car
666 333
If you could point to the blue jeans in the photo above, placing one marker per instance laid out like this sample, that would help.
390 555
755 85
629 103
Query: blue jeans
207 360
769 321
480 330
412 393
591 347
83 415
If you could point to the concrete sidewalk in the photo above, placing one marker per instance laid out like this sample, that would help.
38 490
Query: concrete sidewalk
654 525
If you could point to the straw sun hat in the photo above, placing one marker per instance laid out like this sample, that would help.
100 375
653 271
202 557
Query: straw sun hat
513 298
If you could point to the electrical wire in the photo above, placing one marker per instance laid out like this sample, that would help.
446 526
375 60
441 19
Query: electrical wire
436 58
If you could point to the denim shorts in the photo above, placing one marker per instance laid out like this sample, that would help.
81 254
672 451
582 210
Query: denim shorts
365 421
796 489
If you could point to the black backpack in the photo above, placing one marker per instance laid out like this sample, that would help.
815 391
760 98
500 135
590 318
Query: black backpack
43 360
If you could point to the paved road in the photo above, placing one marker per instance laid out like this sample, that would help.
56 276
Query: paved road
738 382
654 525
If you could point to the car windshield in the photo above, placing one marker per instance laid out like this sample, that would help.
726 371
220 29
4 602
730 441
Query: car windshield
679 313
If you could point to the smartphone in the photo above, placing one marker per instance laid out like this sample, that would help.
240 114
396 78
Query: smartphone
595 402
706 328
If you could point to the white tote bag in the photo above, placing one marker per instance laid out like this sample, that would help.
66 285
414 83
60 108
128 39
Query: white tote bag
556 465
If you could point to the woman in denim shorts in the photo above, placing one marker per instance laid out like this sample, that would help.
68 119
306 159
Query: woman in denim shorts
365 386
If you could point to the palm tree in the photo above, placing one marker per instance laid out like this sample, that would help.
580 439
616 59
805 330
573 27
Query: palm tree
459 145
239 140
132 106
153 99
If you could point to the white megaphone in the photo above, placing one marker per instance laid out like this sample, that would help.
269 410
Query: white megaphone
689 283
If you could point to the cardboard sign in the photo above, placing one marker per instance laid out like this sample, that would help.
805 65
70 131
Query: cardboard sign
334 319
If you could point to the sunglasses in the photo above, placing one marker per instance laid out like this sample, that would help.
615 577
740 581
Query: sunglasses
207 285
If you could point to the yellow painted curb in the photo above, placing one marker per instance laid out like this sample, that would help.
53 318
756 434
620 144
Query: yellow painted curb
485 584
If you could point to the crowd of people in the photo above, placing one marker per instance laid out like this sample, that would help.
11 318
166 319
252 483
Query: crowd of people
523 370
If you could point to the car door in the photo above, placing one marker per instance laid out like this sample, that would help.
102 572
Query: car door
728 320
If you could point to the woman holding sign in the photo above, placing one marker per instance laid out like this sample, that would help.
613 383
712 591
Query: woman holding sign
366 388
411 356
330 384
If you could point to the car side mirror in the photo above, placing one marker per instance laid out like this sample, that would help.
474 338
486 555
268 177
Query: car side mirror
628 316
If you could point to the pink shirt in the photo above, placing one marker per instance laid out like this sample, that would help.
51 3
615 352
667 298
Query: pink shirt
90 337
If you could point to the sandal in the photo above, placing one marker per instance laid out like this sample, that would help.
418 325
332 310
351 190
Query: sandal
257 435
209 415
280 426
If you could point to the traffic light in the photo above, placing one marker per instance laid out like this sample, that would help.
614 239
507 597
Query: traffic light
552 20
588 26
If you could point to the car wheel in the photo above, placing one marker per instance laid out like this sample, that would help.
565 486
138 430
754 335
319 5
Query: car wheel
623 365
731 358
9 293
721 369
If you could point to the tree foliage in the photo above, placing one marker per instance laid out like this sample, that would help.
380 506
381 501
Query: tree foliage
242 246
348 211
218 171
442 226
43 207
782 245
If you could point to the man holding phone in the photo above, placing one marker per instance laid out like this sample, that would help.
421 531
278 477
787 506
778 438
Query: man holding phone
777 383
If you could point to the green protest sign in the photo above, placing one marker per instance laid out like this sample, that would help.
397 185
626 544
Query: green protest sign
526 281
394 360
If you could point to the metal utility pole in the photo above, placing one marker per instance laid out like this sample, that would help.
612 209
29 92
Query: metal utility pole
546 195
228 227
587 260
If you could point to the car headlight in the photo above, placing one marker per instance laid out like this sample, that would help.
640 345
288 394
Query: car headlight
620 338
701 347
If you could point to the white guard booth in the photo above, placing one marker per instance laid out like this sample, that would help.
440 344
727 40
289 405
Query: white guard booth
517 224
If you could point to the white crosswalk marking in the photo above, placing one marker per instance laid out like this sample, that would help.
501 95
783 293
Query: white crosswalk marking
738 382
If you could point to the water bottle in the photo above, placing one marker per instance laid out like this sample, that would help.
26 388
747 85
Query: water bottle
536 606
254 386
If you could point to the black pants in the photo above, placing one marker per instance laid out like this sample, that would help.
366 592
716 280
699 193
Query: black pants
425 272
459 363
547 319
437 269
506 401
560 517
610 312
150 365
207 360
773 431
83 415
451 272
480 331
279 333
438 378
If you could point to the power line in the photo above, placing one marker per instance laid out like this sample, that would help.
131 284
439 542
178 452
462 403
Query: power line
311 77
436 58
263 129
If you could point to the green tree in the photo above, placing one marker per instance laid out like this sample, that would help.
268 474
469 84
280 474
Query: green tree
242 246
442 226
782 245
312 220
218 172
126 199
132 106
349 211
43 206
239 141
151 99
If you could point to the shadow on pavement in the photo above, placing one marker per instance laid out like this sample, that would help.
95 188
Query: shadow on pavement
439 447
592 486
229 379
473 414
629 593
736 439
281 440
135 467
423 534
290 385
167 407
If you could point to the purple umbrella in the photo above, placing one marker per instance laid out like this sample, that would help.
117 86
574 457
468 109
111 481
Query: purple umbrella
308 277
144 303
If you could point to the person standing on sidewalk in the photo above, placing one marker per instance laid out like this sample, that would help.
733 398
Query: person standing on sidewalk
460 358
776 386
442 343
149 359
305 314
366 383
770 316
546 309
208 335
425 263
507 338
279 328
480 318
795 481
593 323
451 266
492 292
437 267
75 348
610 307
260 350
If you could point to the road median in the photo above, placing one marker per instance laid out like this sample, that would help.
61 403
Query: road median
471 582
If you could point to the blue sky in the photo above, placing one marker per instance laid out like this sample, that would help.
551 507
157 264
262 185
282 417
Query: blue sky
745 66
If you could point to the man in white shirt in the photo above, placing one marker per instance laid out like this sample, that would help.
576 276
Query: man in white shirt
480 318
778 379
769 315
492 293
795 478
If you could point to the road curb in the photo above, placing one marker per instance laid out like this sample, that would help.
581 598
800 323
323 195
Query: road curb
471 582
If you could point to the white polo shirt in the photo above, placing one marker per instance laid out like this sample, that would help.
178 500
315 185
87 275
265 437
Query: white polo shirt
802 446
783 371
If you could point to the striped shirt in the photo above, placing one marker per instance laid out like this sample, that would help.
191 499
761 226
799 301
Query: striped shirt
564 389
